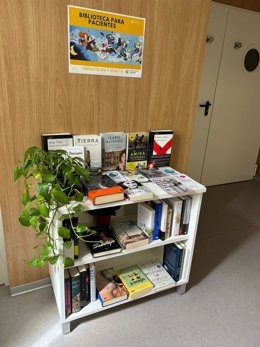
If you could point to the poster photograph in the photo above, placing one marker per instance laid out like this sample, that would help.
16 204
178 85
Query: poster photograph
105 43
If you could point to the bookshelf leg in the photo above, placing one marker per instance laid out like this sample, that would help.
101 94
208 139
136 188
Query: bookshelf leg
66 328
181 289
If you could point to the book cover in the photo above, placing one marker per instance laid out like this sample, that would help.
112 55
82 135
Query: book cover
113 146
169 222
103 242
75 151
75 289
185 214
103 189
145 219
135 191
137 145
176 205
129 235
92 276
163 224
172 260
135 281
52 142
156 273
157 206
84 285
92 146
160 147
110 287
67 293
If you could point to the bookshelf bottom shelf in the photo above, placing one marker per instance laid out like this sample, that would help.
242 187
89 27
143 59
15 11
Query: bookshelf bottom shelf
95 307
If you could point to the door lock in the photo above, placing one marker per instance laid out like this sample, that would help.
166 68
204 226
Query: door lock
206 106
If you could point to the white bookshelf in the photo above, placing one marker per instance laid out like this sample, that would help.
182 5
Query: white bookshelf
126 257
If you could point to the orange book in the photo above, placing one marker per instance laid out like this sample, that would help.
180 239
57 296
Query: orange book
106 195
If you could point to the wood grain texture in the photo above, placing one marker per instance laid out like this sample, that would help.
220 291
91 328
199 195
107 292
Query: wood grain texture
252 5
38 95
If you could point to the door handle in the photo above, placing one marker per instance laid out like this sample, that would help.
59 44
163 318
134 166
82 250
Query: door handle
206 106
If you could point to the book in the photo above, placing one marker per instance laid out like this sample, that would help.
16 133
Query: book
52 142
102 189
163 224
75 289
157 206
84 285
67 293
103 242
185 214
74 151
176 205
169 222
113 145
129 235
160 147
156 273
135 191
137 145
172 260
92 146
92 276
145 219
135 281
110 287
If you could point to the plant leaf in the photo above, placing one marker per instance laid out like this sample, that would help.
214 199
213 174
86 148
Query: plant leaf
44 211
17 173
78 208
53 259
68 262
48 178
34 221
59 195
24 220
64 232
67 244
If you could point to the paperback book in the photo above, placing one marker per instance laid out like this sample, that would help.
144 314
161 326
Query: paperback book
92 147
160 147
53 142
103 242
135 281
75 289
172 260
110 287
129 235
113 146
136 191
145 219
156 273
137 150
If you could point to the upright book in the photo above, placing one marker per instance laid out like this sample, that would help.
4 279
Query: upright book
137 145
145 219
185 214
75 289
160 147
84 285
52 142
172 260
67 292
92 146
103 242
110 287
176 205
113 150
135 281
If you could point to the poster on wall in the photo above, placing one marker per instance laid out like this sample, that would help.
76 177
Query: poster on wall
105 43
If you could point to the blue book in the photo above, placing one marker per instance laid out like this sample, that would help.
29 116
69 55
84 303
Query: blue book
172 260
157 206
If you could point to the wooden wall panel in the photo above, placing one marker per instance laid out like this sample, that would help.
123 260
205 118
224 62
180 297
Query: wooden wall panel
252 5
38 95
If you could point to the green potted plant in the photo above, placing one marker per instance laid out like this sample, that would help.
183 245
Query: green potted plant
51 180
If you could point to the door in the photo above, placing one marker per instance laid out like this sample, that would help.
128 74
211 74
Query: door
233 135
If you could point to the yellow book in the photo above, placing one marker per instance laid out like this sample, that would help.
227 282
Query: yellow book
135 281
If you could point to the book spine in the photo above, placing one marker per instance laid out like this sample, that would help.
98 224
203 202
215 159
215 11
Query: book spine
177 208
185 215
75 294
163 224
83 289
87 284
93 292
157 220
67 292
168 222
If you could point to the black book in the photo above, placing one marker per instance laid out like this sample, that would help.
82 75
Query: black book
103 242
52 142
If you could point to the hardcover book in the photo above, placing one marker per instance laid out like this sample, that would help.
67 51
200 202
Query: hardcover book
75 289
113 150
157 206
185 214
84 285
135 281
160 147
110 287
92 146
176 205
67 292
129 235
53 142
172 260
156 273
137 145
103 242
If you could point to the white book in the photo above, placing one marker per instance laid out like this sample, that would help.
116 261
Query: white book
92 144
176 205
145 218
156 273
163 223
75 151
92 275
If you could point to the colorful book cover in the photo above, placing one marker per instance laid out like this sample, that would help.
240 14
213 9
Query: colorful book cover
137 145
160 147
113 151
135 281
92 145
